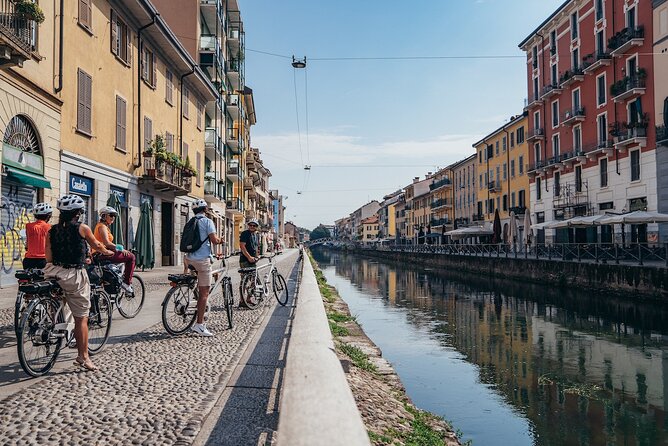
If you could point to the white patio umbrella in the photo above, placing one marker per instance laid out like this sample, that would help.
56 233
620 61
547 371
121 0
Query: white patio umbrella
590 220
512 232
639 217
528 233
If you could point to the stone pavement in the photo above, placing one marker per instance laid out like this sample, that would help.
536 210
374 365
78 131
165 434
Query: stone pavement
154 388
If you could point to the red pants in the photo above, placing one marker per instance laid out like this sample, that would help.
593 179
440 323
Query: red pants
127 259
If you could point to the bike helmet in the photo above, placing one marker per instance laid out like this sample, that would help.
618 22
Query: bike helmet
70 203
253 221
42 209
108 210
200 204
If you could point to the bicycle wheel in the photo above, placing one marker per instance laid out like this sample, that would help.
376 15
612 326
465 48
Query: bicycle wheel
19 307
38 345
280 288
228 297
129 305
179 310
99 321
247 291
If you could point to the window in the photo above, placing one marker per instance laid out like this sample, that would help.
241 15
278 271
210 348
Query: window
198 158
600 42
169 87
635 165
602 129
553 42
555 145
481 181
86 14
578 178
603 167
505 171
512 199
601 90
505 202
480 157
200 113
574 25
539 191
577 138
555 114
512 139
536 93
186 103
557 184
148 132
520 135
148 67
553 75
536 120
169 142
121 43
121 113
521 198
521 164
576 99
631 18
512 168
599 10
84 102
534 54
184 153
536 152
504 144
497 148
575 58
498 173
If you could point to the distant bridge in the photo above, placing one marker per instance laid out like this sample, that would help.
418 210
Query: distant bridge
319 241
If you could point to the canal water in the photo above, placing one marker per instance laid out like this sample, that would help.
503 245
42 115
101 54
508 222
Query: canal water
510 363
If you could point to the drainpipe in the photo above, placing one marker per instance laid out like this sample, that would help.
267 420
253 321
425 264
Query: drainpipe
60 49
507 168
183 76
140 45
614 79
542 62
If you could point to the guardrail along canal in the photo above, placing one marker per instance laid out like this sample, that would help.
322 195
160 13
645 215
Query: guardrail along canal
514 364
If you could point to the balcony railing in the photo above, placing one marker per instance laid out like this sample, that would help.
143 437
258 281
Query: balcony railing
233 168
16 32
234 204
550 90
440 203
166 177
573 116
628 87
440 183
662 135
494 186
571 76
536 134
439 222
625 39
634 133
208 42
592 62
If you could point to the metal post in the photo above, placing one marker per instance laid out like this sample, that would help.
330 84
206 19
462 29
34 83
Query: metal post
579 255
536 251
526 252
596 252
640 253
666 252
616 253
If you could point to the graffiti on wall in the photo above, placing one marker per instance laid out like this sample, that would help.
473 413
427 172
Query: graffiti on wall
15 206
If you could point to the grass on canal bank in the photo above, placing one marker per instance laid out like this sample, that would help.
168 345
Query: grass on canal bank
387 412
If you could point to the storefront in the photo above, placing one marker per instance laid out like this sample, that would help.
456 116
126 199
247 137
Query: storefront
83 187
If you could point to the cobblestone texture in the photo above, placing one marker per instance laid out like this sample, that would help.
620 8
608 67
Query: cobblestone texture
152 388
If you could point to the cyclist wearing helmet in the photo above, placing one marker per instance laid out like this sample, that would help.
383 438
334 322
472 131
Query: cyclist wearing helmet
248 243
201 261
102 233
66 256
36 236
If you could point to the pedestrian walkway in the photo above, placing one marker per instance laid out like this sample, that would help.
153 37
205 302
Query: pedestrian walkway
154 388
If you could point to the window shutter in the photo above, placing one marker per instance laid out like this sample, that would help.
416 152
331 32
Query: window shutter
85 13
185 151
154 64
114 33
89 13
89 103
148 132
128 43
80 100
84 100
169 142
199 115
186 100
168 86
199 167
119 117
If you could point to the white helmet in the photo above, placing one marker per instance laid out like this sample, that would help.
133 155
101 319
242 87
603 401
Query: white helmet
42 209
253 221
70 203
200 204
108 210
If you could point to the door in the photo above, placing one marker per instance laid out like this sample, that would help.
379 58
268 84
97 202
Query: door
167 233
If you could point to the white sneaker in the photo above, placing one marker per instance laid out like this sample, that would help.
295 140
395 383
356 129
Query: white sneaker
128 288
201 330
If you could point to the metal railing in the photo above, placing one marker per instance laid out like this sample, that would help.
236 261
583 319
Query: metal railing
662 135
624 36
15 27
439 183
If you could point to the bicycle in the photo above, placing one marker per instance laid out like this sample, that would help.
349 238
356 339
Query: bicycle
179 307
128 304
252 286
23 277
44 326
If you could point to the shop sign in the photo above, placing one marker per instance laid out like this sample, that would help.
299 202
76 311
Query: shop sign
81 185
122 194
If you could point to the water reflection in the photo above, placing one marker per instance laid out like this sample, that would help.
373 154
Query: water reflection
572 368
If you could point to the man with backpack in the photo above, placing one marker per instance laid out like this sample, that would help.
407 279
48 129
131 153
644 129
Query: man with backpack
198 236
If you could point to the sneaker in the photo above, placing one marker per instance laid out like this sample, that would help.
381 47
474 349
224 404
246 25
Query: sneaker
201 330
128 288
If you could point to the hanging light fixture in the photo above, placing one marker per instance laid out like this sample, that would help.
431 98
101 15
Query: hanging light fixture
298 63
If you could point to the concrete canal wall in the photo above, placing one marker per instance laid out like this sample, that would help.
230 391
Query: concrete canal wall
631 280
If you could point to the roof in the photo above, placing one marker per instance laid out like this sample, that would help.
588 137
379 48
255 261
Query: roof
372 219
545 22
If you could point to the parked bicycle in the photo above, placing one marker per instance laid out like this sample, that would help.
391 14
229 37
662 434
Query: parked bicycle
254 287
128 304
22 302
45 325
179 308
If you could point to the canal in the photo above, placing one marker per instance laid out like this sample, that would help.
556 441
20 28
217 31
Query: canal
510 363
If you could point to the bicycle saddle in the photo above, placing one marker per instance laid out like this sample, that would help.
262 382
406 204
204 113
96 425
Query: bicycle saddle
182 278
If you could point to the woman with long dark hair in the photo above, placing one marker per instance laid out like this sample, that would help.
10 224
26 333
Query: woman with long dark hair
66 257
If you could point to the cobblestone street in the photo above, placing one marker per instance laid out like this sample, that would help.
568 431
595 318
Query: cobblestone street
152 388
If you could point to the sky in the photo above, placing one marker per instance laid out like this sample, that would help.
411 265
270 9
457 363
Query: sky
391 91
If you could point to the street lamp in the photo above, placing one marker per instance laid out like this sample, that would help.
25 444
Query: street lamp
298 63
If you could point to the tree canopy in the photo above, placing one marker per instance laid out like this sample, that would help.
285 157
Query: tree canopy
320 232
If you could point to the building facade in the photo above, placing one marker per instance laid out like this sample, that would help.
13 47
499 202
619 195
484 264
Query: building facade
441 202
368 230
592 119
465 192
365 211
661 106
417 209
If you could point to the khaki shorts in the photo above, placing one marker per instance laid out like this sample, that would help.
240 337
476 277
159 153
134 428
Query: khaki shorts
203 268
75 285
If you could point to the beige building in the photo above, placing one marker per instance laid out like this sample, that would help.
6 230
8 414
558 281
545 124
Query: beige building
661 104
465 191
441 204
367 231
418 209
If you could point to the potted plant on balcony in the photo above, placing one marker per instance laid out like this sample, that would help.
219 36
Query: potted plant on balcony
188 169
29 10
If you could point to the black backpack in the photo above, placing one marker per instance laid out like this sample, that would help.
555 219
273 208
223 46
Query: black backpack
190 238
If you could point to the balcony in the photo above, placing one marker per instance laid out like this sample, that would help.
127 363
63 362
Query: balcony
208 43
494 186
628 88
233 39
593 62
662 135
248 183
439 222
440 183
232 139
232 105
209 10
551 90
212 143
234 205
165 177
536 135
605 146
518 210
538 165
233 73
573 116
535 102
634 134
214 191
441 202
570 77
233 172
16 35
626 39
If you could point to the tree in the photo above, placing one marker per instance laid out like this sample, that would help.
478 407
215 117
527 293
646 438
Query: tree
320 232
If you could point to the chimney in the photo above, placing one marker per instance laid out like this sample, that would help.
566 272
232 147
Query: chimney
416 179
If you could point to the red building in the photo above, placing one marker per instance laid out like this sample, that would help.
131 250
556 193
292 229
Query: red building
591 116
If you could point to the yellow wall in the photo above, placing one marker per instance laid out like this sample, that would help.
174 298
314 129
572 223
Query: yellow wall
391 221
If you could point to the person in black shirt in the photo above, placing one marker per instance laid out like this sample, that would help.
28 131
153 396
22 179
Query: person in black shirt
248 242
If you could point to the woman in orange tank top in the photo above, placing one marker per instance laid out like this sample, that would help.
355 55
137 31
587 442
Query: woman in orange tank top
36 232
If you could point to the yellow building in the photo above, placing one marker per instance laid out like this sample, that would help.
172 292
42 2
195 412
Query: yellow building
129 86
368 230
503 184
441 197
417 209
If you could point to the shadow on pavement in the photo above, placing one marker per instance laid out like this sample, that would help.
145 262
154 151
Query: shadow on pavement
250 414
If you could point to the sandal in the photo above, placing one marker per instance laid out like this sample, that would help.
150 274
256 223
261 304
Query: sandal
86 364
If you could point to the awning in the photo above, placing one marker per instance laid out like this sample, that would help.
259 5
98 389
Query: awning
27 178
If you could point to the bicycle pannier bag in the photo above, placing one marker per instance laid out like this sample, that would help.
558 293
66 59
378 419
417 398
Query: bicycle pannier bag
190 238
